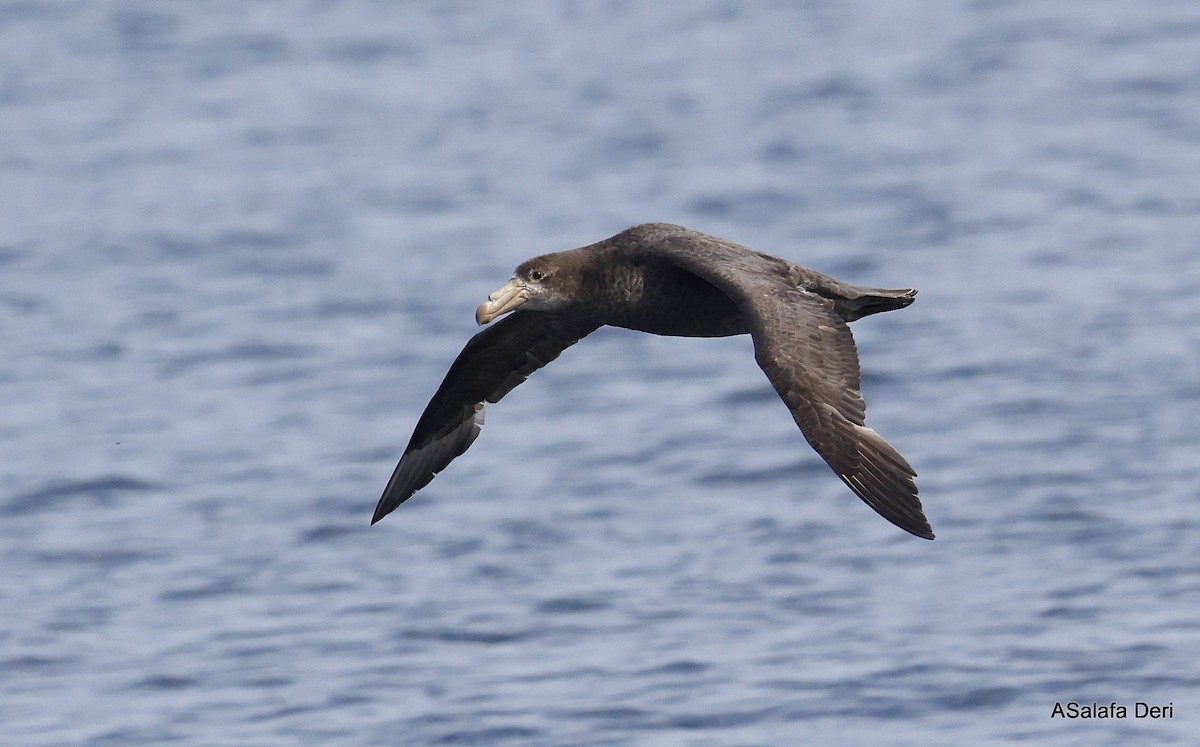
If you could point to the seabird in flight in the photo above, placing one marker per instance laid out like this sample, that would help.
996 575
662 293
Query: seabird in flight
669 280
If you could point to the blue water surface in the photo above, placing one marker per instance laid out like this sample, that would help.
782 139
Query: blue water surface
240 244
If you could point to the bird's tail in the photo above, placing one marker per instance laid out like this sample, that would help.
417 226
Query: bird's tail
852 301
860 302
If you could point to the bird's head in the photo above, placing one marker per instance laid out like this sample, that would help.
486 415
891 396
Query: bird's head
539 284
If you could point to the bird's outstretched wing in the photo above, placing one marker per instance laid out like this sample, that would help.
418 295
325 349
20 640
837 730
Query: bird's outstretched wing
492 363
809 356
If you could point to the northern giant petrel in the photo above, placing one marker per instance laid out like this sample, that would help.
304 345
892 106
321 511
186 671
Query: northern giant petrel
669 280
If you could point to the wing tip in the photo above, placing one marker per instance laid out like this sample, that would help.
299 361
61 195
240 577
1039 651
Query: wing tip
883 479
383 508
903 510
924 531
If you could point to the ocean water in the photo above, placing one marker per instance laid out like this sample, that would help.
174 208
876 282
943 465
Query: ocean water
241 243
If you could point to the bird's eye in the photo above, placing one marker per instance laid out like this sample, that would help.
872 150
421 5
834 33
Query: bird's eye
536 275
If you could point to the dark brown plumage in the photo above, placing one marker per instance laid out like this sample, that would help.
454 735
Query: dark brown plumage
669 280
